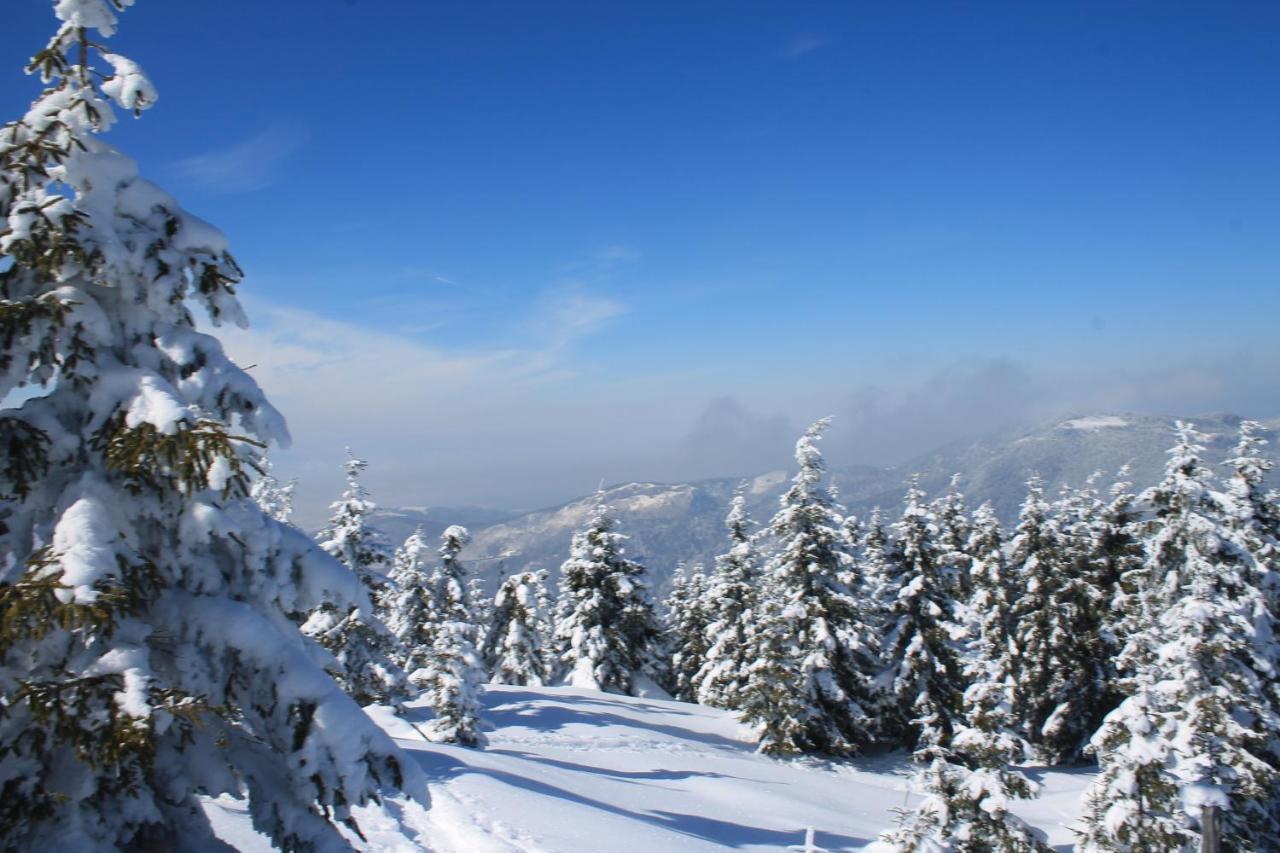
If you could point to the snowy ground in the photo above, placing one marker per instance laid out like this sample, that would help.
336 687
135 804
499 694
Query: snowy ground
572 770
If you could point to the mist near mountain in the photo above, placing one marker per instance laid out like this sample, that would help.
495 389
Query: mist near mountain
670 523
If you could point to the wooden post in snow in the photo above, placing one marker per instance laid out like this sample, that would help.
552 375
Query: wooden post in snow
1209 841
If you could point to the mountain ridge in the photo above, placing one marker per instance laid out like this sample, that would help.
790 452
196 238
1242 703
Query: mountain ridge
669 523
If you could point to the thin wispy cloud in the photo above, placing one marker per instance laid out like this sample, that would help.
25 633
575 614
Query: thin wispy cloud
423 275
601 264
565 315
575 306
804 44
249 165
430 403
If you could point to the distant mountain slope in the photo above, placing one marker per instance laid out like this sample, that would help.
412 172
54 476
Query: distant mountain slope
398 523
670 523
1063 452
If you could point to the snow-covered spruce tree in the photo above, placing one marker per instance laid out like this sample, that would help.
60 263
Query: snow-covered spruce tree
606 631
768 698
1252 514
1060 675
968 786
412 616
987 747
146 654
872 555
731 600
816 612
363 646
953 541
481 605
1253 519
922 681
352 538
1075 513
453 673
1115 554
990 608
964 810
1131 805
1083 597
1189 734
515 648
688 617
450 592
273 497
966 801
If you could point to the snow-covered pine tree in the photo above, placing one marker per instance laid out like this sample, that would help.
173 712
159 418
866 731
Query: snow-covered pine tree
731 600
1060 676
953 541
814 617
853 530
1116 545
273 497
351 537
1115 553
451 682
146 654
412 617
968 786
991 607
1253 519
481 605
364 647
987 747
688 617
1188 736
1252 513
922 682
453 672
1076 512
872 557
768 698
450 592
1083 597
515 647
606 631
965 810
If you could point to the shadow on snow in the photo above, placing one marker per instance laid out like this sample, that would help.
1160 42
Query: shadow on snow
440 767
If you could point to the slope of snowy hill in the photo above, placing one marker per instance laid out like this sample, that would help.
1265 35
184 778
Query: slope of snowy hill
572 770
670 523
1063 452
398 523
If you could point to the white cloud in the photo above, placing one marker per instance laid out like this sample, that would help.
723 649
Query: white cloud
422 413
249 165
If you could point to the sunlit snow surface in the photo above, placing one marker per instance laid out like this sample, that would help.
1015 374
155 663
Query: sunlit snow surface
577 771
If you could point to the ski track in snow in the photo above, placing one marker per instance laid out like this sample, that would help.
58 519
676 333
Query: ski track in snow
571 771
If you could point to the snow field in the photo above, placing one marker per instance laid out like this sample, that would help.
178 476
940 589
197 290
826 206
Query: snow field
576 771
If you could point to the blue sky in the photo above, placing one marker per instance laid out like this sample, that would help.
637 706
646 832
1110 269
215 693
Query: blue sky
560 241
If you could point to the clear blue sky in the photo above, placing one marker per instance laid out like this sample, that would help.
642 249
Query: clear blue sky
803 207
